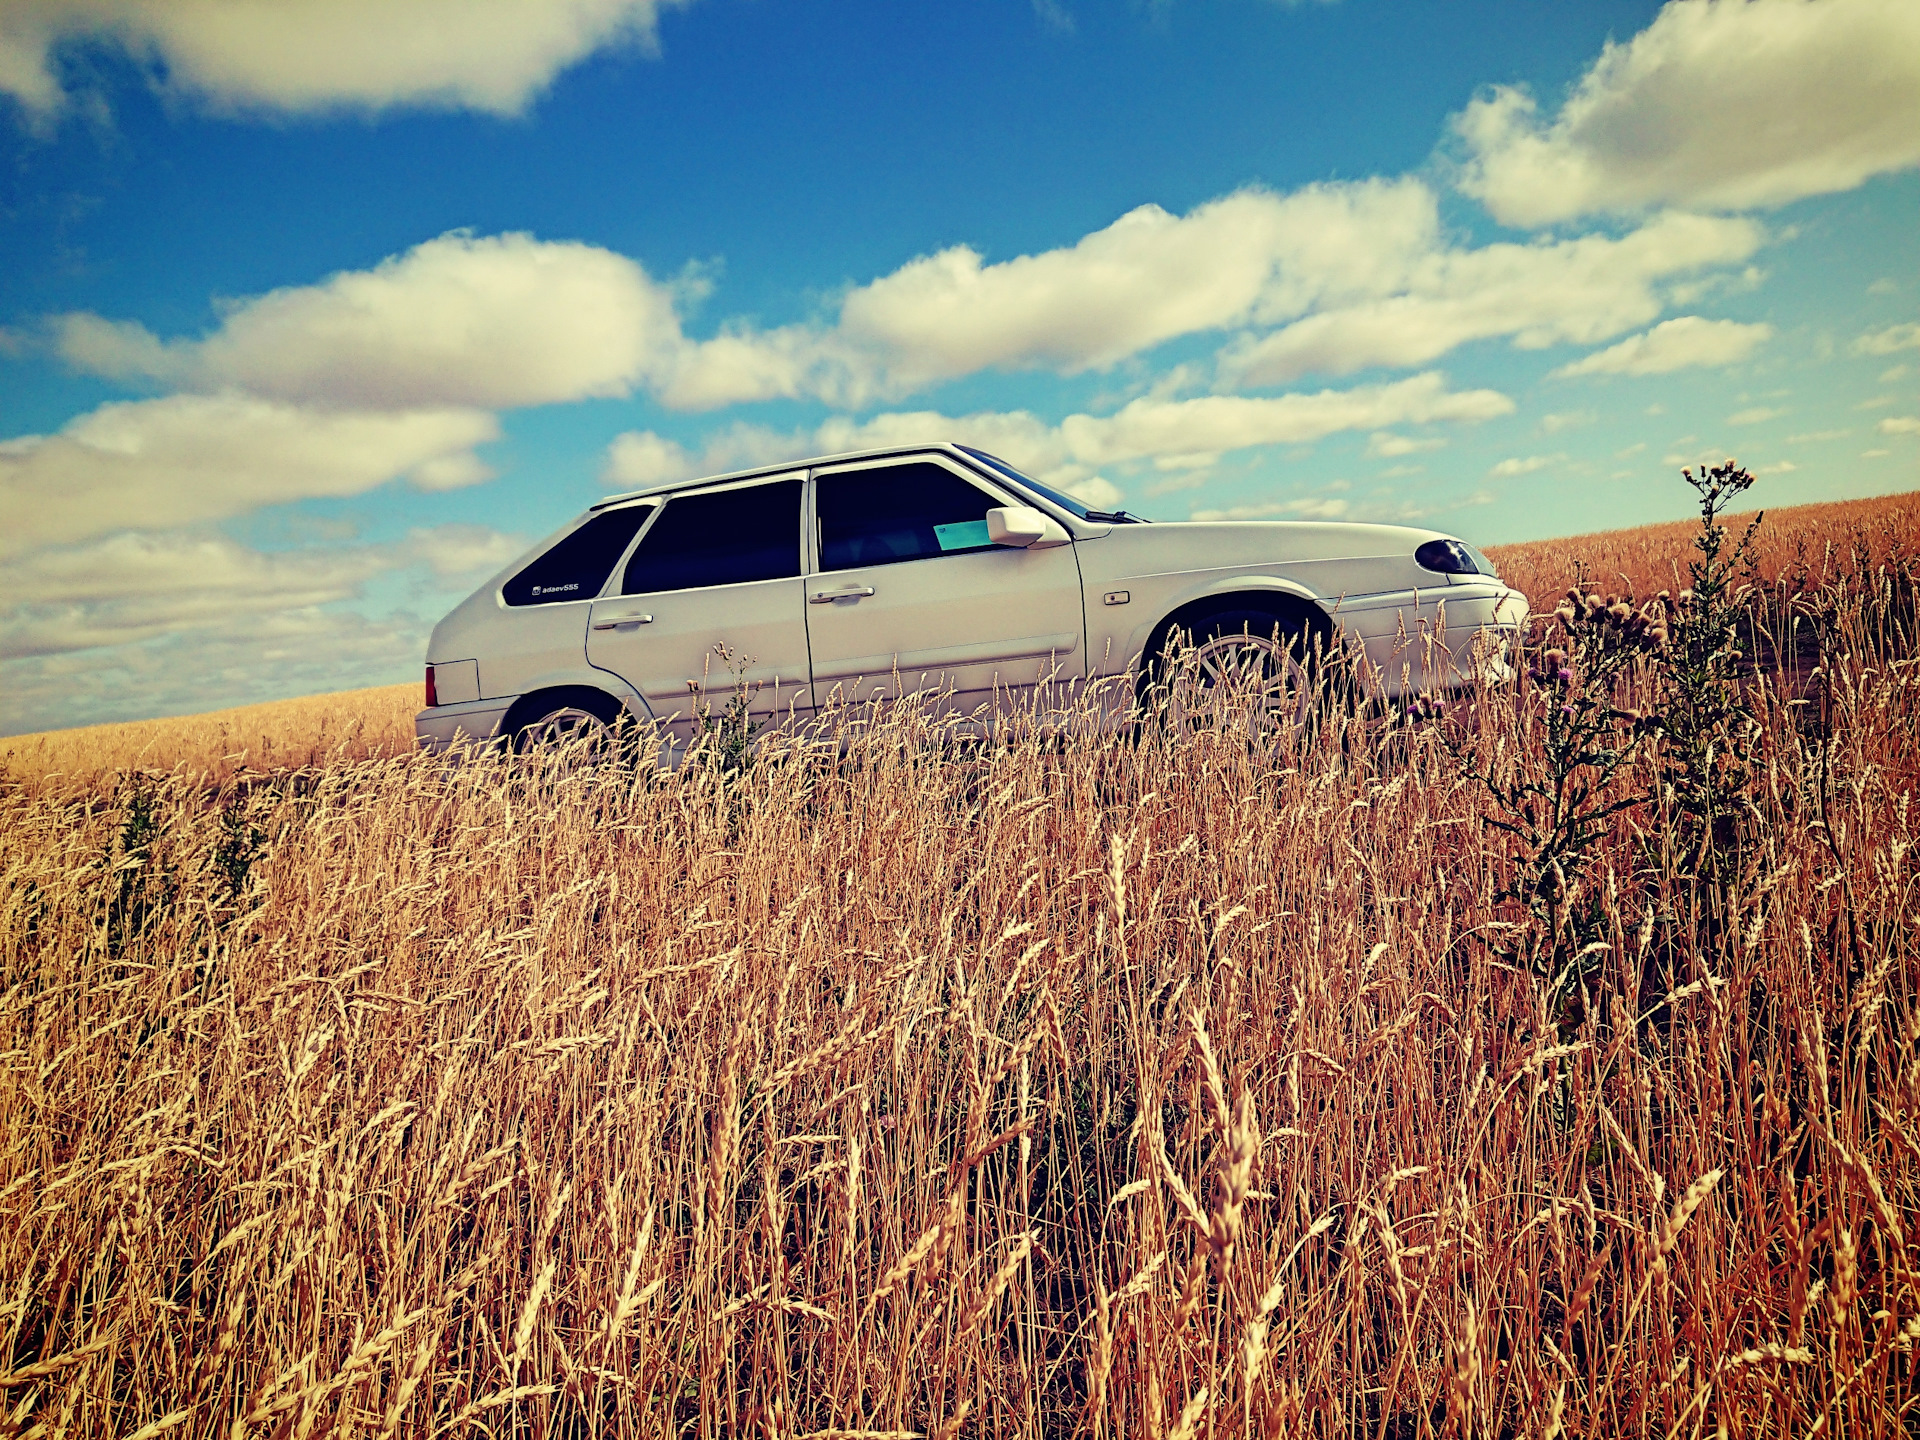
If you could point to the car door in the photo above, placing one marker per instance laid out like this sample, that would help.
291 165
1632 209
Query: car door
711 600
908 583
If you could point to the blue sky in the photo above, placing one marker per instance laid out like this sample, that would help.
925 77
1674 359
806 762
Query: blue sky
312 312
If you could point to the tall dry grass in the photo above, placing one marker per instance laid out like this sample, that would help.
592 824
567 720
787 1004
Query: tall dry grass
1802 546
1070 1085
277 735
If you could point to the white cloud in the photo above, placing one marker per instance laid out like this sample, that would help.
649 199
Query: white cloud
159 463
1385 445
131 587
1899 425
1885 342
1674 345
1566 420
1307 507
299 56
1071 452
1815 437
498 321
1250 257
506 321
1754 416
139 586
1575 291
1720 105
454 552
134 586
1524 465
251 658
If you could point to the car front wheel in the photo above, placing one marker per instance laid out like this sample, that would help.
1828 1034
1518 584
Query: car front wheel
1239 669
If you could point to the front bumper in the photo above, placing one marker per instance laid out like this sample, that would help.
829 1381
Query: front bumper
1449 638
443 726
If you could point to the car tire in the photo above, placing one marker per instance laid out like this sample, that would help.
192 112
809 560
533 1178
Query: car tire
1240 664
558 717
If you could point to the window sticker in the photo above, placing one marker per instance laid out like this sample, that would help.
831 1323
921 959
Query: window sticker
962 535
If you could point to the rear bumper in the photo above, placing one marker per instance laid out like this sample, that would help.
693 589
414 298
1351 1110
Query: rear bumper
1450 638
444 726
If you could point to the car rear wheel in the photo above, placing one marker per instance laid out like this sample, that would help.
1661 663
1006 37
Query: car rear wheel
582 724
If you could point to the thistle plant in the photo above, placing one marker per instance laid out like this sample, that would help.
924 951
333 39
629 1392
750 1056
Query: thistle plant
731 732
1561 806
1705 724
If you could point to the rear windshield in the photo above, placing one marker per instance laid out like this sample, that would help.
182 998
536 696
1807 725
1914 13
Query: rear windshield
576 567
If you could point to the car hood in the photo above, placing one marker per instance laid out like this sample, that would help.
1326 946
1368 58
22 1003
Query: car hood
1328 557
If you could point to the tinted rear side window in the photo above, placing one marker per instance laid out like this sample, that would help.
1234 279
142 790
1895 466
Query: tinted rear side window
898 512
727 537
578 566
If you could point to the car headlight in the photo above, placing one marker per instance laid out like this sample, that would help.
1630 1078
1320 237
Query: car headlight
1448 557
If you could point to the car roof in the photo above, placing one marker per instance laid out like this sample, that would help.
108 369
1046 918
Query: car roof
948 447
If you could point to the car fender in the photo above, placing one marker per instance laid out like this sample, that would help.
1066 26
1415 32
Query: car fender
592 678
1217 585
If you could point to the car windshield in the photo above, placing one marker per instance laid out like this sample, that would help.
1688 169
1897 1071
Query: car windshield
1064 501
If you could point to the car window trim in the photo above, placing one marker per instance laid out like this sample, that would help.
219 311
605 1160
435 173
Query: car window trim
616 582
560 537
810 521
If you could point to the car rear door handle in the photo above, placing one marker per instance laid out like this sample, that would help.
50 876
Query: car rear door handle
851 592
613 622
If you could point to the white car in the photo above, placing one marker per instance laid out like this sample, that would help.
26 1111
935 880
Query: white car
938 568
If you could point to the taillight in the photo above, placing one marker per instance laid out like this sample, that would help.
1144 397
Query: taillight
432 698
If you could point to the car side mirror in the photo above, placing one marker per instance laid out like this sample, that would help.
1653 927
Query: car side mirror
1016 525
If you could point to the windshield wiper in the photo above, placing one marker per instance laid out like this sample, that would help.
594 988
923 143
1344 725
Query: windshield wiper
1113 517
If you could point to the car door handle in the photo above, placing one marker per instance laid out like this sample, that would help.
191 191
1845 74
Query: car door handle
851 592
613 622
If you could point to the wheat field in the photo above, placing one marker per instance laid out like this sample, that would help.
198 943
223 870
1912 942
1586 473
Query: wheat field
1074 1084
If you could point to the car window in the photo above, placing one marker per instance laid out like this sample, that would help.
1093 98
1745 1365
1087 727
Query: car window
722 537
578 566
898 512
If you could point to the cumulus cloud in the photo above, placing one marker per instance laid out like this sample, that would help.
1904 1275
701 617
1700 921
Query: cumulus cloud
299 56
1887 341
268 656
1307 507
131 587
1899 425
1575 291
1385 445
1524 465
496 321
1754 415
1718 104
1685 343
152 464
1566 420
1072 452
1250 257
135 586
1355 274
